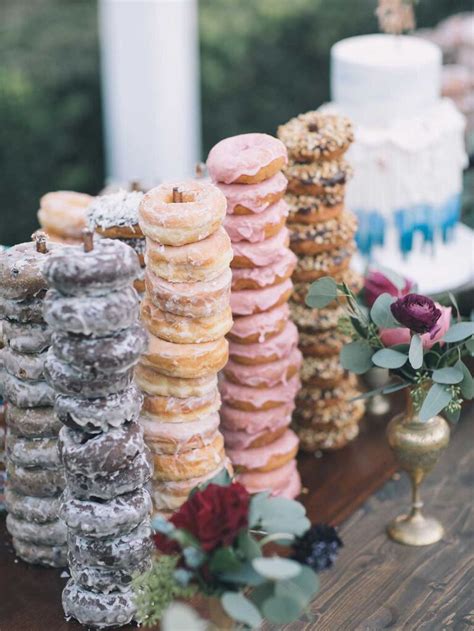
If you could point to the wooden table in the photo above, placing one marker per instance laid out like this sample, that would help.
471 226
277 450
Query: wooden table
375 585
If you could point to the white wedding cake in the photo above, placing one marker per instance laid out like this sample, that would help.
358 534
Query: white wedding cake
408 158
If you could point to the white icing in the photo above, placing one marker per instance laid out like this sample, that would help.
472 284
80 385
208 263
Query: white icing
115 210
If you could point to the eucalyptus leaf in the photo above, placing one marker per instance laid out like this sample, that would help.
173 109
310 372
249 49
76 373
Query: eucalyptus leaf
181 616
436 400
388 358
247 545
162 525
194 557
453 417
277 514
224 560
467 383
459 331
241 609
454 302
381 314
470 347
304 586
321 293
357 357
276 568
448 375
245 575
281 609
415 353
184 538
261 593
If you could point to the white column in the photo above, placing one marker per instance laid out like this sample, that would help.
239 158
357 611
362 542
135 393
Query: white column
150 84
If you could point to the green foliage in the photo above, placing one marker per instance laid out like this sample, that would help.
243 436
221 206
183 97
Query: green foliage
388 358
357 357
322 293
438 398
240 608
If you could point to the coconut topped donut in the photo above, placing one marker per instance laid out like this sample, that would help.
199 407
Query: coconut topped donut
246 159
64 213
20 269
183 212
116 215
316 136
106 266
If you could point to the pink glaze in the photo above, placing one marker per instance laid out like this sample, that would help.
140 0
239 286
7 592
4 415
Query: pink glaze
252 227
252 196
276 347
258 397
264 252
252 422
264 375
245 154
264 323
243 440
265 276
259 456
249 301
292 488
275 481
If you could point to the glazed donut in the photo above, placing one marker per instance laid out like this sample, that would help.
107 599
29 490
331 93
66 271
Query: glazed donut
109 266
29 310
262 277
246 159
323 237
98 610
284 481
256 399
102 316
272 349
312 210
267 458
26 338
319 398
251 301
157 384
102 454
190 464
316 320
345 412
312 267
323 343
35 482
177 438
257 227
99 415
118 516
158 409
64 213
260 326
234 420
316 177
38 510
193 300
32 452
48 534
27 394
104 580
52 556
193 212
322 372
100 355
316 136
194 262
184 330
254 198
311 440
67 380
245 440
116 215
265 375
107 486
186 361
20 270
28 366
260 254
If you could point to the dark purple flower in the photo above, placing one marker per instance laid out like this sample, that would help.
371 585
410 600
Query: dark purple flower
317 547
416 312
376 283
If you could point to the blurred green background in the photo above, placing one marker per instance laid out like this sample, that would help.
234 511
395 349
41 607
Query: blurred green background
262 61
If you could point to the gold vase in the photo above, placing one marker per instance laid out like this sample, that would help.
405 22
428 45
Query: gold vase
417 446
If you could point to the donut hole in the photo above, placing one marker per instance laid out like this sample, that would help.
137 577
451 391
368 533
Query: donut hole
180 197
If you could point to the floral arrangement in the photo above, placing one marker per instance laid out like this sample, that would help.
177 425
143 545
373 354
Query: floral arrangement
214 545
412 336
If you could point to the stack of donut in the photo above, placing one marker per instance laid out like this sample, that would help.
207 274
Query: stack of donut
261 379
63 216
115 216
35 474
322 235
186 311
92 309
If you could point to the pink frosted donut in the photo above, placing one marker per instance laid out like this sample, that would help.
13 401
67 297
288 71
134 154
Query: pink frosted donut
256 399
278 482
175 438
243 439
254 198
260 277
264 375
272 349
195 300
194 211
64 213
250 301
234 420
260 326
246 159
267 458
257 227
260 254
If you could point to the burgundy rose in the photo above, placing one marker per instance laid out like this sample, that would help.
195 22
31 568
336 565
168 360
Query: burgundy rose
416 312
215 515
376 283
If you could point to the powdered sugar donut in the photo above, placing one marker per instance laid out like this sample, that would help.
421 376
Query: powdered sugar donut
32 452
246 159
267 458
20 270
254 198
48 534
158 409
64 213
177 438
260 254
28 310
98 610
52 556
38 510
27 394
104 580
249 399
192 212
36 482
250 301
110 265
260 326
193 463
105 315
262 277
194 262
116 215
264 375
257 227
28 366
272 349
153 382
28 337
